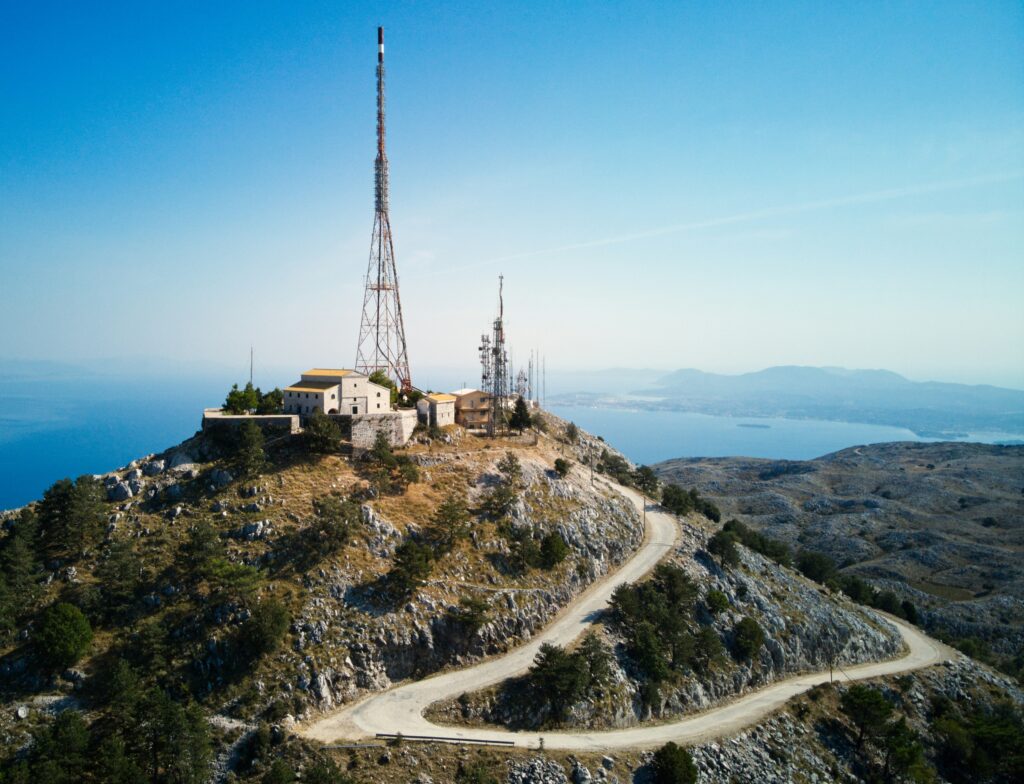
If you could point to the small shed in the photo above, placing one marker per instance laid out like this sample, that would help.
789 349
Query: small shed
437 409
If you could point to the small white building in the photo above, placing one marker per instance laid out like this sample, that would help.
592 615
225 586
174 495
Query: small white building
437 409
472 408
336 391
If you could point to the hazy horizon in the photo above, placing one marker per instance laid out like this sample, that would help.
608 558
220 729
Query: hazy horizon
268 376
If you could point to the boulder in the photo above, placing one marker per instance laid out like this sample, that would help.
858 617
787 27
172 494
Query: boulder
179 459
220 478
120 492
253 531
154 467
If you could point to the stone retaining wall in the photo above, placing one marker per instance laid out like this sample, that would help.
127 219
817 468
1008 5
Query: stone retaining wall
396 425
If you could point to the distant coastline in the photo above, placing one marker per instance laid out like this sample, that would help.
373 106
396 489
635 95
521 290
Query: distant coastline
652 435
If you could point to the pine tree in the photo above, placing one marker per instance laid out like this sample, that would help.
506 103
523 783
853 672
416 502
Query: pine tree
520 416
251 457
242 401
120 576
321 433
71 515
19 567
450 523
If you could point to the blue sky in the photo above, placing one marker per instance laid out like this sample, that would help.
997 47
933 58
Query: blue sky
716 185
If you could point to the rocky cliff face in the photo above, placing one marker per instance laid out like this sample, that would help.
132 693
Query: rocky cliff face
420 637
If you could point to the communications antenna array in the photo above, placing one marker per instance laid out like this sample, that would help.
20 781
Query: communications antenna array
494 376
382 330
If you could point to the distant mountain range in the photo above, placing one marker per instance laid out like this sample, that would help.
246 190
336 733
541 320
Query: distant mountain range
930 409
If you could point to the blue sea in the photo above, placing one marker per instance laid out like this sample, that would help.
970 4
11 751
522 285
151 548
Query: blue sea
52 427
58 425
652 436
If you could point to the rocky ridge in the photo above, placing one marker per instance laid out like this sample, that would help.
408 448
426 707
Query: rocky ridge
938 523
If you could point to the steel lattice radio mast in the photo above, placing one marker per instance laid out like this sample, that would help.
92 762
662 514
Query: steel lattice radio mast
382 331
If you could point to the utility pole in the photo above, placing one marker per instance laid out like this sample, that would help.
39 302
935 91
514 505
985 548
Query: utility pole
250 365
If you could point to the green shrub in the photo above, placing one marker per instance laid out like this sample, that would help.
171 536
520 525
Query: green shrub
816 566
476 772
72 515
707 649
498 501
559 678
673 764
616 467
241 401
723 545
771 548
321 433
867 708
562 467
553 550
279 772
471 614
682 502
412 567
646 480
748 637
716 601
62 636
251 457
333 522
263 631
656 618
325 771
981 744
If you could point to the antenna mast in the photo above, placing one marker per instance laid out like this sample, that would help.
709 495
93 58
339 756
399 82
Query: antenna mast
382 330
494 373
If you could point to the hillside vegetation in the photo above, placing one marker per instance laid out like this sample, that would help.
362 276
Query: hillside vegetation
182 612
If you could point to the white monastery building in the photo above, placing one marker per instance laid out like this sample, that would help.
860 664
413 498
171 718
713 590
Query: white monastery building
336 391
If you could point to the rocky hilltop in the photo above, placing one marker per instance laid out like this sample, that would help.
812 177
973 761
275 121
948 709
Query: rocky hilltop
173 620
940 524
274 582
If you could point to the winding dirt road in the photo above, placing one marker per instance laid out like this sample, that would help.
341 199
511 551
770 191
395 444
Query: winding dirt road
400 708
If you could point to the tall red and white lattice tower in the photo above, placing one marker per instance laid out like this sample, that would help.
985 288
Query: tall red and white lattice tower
381 330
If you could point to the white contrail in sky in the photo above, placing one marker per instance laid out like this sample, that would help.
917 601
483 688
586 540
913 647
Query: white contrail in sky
742 217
